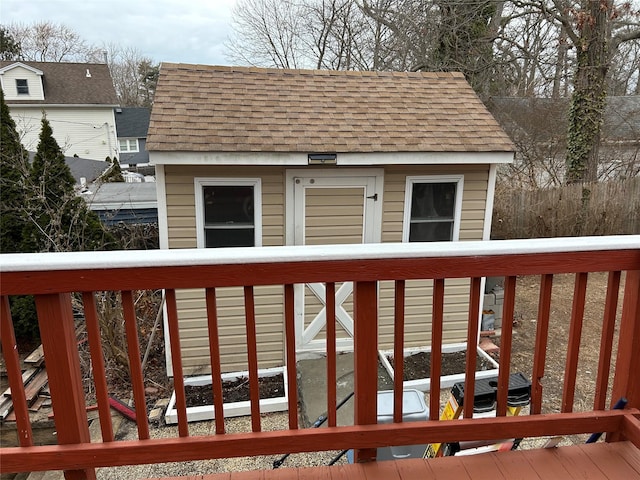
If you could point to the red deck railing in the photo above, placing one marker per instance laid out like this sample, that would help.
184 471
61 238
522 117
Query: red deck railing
53 278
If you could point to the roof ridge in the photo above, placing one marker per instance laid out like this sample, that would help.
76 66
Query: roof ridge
304 71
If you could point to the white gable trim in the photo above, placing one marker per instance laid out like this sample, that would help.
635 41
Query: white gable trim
21 65
343 159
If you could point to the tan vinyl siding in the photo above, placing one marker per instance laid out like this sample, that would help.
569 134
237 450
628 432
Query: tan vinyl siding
230 301
333 215
418 293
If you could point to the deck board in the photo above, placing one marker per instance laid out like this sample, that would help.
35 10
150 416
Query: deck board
598 461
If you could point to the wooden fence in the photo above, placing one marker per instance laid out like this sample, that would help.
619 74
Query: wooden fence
611 208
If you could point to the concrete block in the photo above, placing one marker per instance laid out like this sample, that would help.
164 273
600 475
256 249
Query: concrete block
499 294
489 301
155 415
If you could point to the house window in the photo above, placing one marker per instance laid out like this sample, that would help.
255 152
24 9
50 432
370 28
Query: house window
432 209
229 212
128 145
22 86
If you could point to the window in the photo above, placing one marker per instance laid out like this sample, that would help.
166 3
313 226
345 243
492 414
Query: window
229 212
22 86
128 145
432 209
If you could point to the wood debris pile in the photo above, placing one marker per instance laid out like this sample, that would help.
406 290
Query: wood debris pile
36 388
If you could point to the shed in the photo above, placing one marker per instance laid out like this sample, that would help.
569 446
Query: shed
269 157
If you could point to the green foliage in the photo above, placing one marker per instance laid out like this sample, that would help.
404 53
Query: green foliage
9 48
13 160
148 77
24 316
114 174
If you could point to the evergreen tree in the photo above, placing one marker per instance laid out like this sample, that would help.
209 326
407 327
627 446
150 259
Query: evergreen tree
114 174
13 161
59 219
13 196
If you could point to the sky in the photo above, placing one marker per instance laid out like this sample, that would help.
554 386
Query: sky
187 31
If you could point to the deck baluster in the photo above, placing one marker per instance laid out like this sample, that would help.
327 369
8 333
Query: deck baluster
542 335
135 365
98 367
606 340
573 349
505 343
472 341
214 356
330 310
252 357
290 345
12 363
398 350
176 359
437 321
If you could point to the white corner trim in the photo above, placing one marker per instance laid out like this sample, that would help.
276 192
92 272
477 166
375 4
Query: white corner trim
161 193
491 193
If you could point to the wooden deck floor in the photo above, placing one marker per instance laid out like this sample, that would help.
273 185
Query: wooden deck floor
600 461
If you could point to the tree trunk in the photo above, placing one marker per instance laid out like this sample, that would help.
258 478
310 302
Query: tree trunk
590 91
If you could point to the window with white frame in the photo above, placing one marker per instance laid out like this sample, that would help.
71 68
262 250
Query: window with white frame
432 209
128 145
22 86
228 212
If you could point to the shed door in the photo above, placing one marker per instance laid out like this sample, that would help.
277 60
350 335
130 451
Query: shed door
331 210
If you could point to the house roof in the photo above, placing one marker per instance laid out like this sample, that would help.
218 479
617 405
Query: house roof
132 122
234 109
115 195
82 167
68 84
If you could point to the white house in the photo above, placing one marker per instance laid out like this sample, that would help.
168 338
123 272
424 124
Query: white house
78 99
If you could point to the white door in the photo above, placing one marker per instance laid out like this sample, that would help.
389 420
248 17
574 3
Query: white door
332 208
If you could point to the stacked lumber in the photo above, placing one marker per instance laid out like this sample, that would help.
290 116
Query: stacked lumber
34 379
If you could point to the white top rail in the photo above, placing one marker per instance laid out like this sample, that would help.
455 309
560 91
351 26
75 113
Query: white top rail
33 262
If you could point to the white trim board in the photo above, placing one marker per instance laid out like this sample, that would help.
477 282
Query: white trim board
343 159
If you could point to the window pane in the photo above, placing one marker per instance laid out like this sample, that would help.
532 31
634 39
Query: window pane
228 205
433 201
229 237
431 232
124 146
22 86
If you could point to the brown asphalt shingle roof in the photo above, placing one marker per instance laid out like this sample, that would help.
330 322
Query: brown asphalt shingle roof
235 109
67 84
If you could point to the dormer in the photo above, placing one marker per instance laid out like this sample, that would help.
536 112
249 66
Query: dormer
21 82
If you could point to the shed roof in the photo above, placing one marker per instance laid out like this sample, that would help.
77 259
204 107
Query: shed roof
68 84
201 108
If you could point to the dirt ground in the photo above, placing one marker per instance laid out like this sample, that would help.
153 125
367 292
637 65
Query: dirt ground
524 332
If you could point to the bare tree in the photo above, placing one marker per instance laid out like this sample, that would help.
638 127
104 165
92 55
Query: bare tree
267 33
46 41
134 75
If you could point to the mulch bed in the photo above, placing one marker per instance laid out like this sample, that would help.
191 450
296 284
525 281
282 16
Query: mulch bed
418 365
235 390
